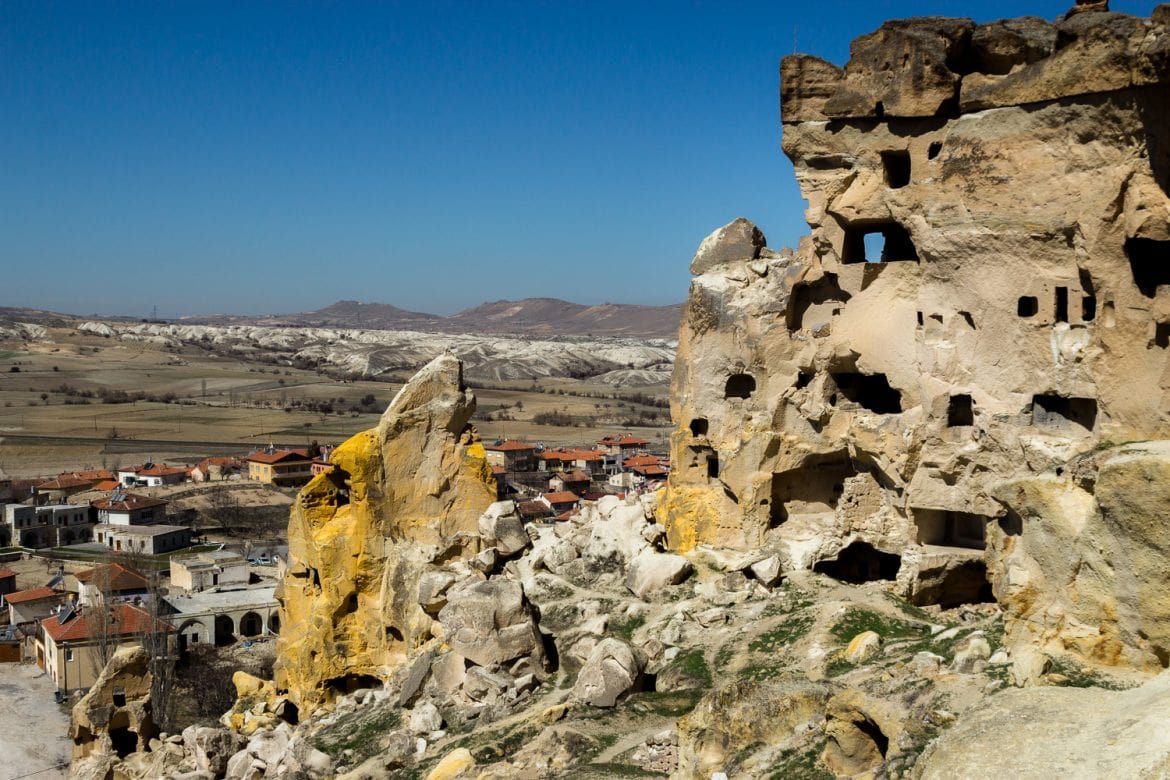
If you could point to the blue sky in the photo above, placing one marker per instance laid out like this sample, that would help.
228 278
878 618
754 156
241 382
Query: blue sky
274 157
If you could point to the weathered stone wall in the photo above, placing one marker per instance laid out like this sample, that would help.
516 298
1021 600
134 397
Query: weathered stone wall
859 409
402 495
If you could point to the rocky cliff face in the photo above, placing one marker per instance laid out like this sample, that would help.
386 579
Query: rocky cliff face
400 496
983 301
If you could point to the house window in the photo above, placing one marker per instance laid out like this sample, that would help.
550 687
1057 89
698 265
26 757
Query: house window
68 655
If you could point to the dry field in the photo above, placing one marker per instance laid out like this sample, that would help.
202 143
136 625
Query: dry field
222 405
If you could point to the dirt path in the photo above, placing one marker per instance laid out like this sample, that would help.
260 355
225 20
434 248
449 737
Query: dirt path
33 728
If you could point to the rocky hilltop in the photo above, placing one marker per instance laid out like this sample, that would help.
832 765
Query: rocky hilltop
929 389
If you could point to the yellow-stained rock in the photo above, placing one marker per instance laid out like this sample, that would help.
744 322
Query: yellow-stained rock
251 687
455 764
398 497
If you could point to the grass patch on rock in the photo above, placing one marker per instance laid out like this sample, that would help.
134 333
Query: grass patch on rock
359 731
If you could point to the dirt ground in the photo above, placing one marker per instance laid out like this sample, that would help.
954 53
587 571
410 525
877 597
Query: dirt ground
33 727
52 418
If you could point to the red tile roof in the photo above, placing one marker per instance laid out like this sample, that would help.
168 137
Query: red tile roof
130 503
561 497
499 471
35 594
509 446
576 476
114 576
126 620
107 484
641 460
278 456
159 470
65 482
94 474
650 471
6 573
533 509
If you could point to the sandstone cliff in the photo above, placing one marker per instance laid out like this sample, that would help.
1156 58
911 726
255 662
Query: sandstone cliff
400 496
983 297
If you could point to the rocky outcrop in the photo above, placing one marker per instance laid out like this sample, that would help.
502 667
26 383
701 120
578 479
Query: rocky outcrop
1057 732
114 718
983 299
399 497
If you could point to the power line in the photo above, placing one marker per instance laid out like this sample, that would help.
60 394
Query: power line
41 771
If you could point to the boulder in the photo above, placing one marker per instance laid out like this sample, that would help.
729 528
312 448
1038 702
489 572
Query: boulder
456 764
863 647
738 240
650 572
490 622
611 671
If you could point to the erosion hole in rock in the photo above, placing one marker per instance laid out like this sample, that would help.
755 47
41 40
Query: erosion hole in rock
699 426
1149 260
341 481
964 583
815 303
1054 411
967 318
960 411
392 633
123 740
812 489
713 465
896 166
804 379
933 150
878 242
870 391
871 730
1061 307
1028 306
118 697
289 713
1162 334
739 386
951 529
352 682
861 562
1088 308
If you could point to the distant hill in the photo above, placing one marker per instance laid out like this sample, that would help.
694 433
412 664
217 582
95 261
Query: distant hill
534 317
541 317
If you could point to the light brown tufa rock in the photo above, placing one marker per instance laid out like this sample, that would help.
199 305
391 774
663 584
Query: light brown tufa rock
738 240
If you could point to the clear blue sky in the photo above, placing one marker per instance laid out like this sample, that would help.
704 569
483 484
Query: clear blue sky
254 157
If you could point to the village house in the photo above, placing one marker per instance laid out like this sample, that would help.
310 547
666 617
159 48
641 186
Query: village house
130 509
283 468
27 606
532 511
576 481
51 525
511 455
501 475
623 445
143 539
206 570
220 617
151 475
11 642
108 582
215 469
560 502
72 645
60 489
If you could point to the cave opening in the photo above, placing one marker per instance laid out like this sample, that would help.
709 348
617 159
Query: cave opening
123 740
1055 411
349 683
815 303
870 391
699 426
1027 306
859 563
951 529
739 386
713 465
813 488
896 165
964 583
1149 260
1162 334
1061 308
878 242
960 411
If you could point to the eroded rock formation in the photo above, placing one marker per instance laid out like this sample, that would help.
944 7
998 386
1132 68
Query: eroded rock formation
399 497
984 297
